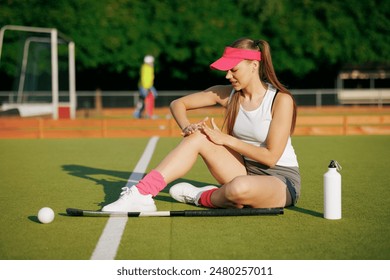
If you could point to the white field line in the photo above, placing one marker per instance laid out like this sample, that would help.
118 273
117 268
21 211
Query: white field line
109 241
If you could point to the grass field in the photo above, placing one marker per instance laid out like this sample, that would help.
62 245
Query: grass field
88 173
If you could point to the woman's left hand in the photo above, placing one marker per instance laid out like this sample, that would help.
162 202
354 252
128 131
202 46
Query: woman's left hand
214 134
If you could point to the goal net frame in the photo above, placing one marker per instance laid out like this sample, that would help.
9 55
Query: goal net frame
55 39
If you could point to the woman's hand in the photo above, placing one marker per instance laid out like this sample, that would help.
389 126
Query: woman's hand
214 134
192 128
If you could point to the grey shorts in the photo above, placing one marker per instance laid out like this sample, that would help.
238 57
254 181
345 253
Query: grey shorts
288 174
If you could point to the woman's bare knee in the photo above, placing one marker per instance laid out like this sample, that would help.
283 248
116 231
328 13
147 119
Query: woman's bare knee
196 139
237 190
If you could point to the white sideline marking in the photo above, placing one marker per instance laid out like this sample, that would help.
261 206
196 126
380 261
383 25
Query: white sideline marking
108 244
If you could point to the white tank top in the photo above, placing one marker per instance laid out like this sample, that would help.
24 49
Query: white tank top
252 127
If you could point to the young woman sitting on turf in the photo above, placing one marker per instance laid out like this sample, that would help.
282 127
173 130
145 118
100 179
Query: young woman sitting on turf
254 161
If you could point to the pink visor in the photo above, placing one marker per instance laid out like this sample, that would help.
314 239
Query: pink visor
232 56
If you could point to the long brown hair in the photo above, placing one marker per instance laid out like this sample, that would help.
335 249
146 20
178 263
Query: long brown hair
267 75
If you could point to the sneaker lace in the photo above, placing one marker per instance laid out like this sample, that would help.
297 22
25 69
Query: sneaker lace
186 198
125 191
189 198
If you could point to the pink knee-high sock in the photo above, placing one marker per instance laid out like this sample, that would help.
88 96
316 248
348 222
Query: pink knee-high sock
152 183
205 198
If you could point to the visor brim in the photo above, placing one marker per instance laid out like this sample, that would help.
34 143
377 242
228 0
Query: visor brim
225 64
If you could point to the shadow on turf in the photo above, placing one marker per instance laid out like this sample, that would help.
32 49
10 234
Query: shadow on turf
305 211
34 219
112 187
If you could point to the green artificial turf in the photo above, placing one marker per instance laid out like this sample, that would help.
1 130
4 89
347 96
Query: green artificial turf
88 173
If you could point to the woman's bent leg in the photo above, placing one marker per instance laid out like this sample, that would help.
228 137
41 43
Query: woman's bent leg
252 191
223 164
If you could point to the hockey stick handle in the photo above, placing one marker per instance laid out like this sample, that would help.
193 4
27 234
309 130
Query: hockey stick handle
233 212
184 213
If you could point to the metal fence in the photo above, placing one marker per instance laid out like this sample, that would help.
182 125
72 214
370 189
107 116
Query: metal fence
123 99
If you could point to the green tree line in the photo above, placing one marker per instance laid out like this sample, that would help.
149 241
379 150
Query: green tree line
308 37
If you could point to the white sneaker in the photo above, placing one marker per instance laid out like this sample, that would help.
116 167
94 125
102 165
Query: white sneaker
187 193
131 200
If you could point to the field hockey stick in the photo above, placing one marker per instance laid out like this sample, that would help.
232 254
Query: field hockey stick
184 213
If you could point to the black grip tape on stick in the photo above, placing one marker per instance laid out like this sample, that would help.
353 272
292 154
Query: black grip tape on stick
184 213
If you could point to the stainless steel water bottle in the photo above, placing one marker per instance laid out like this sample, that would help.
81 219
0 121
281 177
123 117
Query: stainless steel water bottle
332 192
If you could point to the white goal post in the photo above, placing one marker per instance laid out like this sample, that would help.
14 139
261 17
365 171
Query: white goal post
54 40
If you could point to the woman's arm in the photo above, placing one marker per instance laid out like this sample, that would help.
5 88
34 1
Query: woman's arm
212 96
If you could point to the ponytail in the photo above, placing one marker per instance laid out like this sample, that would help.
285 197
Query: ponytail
267 74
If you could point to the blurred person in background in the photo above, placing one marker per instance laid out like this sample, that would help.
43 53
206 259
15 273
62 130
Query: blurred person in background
147 91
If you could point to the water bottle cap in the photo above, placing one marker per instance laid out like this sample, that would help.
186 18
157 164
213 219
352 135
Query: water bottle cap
334 164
